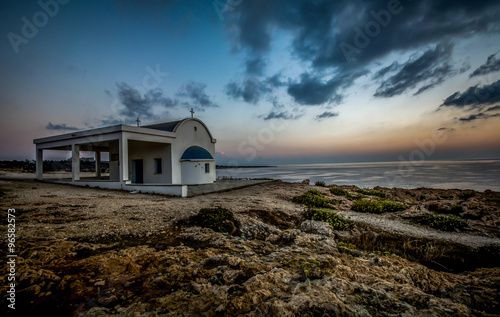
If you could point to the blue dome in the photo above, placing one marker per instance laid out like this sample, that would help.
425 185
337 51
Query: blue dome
196 153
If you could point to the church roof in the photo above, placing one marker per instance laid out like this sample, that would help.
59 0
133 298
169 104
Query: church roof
196 153
166 126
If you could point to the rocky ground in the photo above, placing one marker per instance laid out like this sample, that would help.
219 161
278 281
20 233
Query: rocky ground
92 252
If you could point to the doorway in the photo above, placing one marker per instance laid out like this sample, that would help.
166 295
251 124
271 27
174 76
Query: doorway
137 172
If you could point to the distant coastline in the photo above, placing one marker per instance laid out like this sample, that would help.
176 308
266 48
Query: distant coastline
244 166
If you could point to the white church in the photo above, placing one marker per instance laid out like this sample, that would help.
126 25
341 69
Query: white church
162 158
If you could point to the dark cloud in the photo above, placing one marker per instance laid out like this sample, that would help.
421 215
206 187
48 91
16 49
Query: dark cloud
279 111
441 129
275 81
110 120
195 92
255 66
152 5
475 96
472 117
63 126
327 114
320 29
430 69
141 105
492 65
386 70
250 90
494 108
284 115
313 91
465 67
477 116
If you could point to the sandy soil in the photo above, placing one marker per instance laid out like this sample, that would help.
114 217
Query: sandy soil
64 211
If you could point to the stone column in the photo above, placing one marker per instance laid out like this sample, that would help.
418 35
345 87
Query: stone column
75 166
39 164
123 159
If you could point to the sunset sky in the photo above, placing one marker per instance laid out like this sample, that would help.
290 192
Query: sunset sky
277 82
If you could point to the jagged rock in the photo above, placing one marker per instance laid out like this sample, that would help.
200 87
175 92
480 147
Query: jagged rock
255 229
317 227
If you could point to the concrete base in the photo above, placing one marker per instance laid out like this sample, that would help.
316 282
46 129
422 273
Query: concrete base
172 190
183 190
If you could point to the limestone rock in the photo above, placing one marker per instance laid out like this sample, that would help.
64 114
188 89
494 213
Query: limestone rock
317 227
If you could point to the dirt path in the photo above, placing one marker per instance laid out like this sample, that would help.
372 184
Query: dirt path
399 226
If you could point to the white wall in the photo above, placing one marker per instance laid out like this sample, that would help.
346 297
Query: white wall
148 151
194 172
114 170
187 137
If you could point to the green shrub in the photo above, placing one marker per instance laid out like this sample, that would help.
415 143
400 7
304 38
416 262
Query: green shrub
217 219
320 183
346 245
339 191
377 206
456 209
445 196
372 192
312 268
466 194
314 198
338 222
342 192
444 222
358 196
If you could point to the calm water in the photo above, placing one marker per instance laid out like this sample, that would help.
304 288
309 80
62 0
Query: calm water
474 174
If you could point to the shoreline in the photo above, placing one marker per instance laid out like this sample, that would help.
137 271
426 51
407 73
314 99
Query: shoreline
244 166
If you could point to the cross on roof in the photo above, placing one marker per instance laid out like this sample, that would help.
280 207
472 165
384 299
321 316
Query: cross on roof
192 113
138 121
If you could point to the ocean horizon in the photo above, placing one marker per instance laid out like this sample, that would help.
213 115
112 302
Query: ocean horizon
480 174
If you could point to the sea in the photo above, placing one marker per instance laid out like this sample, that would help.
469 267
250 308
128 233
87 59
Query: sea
477 175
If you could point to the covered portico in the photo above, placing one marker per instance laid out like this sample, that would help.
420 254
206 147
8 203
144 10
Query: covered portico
116 140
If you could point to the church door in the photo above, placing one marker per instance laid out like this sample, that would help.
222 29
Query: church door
137 172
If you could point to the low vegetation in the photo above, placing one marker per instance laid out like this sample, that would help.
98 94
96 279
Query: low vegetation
444 222
465 195
320 183
372 192
456 209
377 206
314 198
347 247
338 222
217 219
342 192
309 268
339 191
